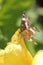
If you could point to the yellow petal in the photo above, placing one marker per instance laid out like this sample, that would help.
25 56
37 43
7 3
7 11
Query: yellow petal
38 59
2 52
17 55
16 52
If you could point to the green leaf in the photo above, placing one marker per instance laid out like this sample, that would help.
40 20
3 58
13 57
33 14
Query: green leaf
30 46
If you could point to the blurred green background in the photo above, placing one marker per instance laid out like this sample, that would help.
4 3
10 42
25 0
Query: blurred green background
10 18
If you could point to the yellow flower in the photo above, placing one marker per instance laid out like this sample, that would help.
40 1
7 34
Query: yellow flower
2 52
38 59
16 52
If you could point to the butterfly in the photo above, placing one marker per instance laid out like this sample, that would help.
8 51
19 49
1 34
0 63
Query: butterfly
26 30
